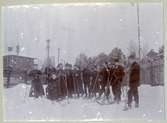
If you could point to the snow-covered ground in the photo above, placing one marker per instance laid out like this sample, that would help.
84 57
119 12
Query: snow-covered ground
18 106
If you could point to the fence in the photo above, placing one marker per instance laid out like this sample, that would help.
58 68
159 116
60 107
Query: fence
152 72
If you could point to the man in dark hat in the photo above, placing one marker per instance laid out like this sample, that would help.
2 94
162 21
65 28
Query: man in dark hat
93 87
69 79
78 85
108 72
36 89
8 72
86 80
134 78
62 80
104 76
117 78
47 72
53 89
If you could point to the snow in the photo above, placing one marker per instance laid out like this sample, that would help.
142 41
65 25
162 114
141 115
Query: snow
18 106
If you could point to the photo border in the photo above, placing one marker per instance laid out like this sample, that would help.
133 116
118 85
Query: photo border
30 2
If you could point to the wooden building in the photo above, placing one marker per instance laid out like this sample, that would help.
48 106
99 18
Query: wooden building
20 65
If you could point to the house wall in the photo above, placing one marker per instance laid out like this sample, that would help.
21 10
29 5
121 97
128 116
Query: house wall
20 67
152 72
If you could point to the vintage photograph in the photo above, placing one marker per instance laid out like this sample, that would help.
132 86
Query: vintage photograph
97 61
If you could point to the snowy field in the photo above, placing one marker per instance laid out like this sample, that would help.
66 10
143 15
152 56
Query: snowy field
18 106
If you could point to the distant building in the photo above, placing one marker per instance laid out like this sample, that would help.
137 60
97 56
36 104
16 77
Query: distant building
152 54
21 65
152 71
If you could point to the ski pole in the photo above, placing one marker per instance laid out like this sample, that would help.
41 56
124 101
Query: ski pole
66 88
95 83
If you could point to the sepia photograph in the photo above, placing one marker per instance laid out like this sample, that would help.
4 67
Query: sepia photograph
86 62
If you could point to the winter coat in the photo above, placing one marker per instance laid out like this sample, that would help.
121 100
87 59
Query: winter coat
53 89
86 76
104 75
36 88
134 77
117 74
69 79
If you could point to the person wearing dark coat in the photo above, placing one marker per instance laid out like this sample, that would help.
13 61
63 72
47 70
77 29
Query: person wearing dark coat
36 89
53 90
93 89
78 85
26 76
134 79
104 76
86 80
62 84
48 71
118 74
8 72
69 80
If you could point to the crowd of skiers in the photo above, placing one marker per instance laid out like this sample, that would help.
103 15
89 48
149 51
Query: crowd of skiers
72 81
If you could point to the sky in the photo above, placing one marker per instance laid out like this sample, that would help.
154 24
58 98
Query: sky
81 28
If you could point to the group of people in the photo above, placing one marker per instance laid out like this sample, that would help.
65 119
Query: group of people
73 81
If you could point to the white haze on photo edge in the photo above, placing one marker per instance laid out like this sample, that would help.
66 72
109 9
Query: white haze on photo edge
88 29
74 29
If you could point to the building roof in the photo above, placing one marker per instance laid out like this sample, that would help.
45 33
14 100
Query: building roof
18 56
152 54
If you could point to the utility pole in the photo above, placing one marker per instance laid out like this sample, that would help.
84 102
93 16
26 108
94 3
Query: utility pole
17 49
58 57
138 25
48 51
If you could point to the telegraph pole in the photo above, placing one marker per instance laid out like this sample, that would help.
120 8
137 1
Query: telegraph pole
48 50
58 57
17 49
138 25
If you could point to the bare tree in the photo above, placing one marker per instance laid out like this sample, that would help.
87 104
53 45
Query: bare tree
117 53
81 61
101 59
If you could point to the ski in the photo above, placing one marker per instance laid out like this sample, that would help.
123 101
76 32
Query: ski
103 102
126 109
